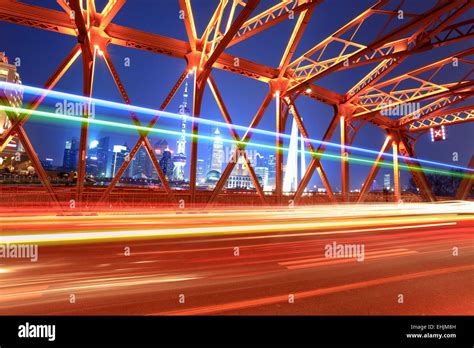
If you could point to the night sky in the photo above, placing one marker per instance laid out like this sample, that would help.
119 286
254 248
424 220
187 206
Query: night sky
151 76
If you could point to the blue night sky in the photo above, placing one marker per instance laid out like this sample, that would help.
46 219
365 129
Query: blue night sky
150 77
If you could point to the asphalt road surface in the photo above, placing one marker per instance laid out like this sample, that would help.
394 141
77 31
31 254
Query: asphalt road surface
413 259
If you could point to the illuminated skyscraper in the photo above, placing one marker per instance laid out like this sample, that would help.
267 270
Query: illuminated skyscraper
200 170
167 163
179 159
217 152
386 182
98 157
71 151
271 171
120 155
160 146
374 185
141 165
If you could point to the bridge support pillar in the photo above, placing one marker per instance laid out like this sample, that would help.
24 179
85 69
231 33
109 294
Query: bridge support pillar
396 174
344 159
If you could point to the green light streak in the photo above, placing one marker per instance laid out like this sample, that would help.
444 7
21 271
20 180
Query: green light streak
145 129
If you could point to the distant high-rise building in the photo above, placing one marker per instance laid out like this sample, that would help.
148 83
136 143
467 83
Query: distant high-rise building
263 173
261 169
387 182
103 156
217 151
160 146
179 158
119 156
200 171
271 170
97 160
374 185
260 160
167 164
71 152
141 165
47 163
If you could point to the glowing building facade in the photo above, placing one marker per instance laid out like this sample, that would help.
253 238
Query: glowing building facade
179 159
217 152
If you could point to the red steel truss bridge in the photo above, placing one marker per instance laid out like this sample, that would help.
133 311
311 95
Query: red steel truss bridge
234 21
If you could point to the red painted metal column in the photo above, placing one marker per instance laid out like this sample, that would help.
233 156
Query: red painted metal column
396 173
198 92
344 159
279 149
88 66
375 169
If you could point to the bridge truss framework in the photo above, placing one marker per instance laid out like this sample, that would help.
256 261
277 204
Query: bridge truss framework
234 21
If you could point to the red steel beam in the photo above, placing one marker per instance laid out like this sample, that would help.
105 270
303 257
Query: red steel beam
345 182
280 129
314 164
423 40
223 43
33 157
49 84
295 38
188 19
320 169
271 17
377 50
245 139
461 114
374 170
228 119
143 137
416 171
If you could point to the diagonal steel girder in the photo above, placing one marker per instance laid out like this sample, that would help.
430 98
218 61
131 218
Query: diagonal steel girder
445 117
381 48
376 99
315 158
374 170
421 40
235 136
48 85
203 70
315 163
142 141
240 148
416 170
32 155
465 186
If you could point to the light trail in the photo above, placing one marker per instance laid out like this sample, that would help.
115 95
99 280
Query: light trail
322 211
282 246
325 155
148 111
316 292
225 230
